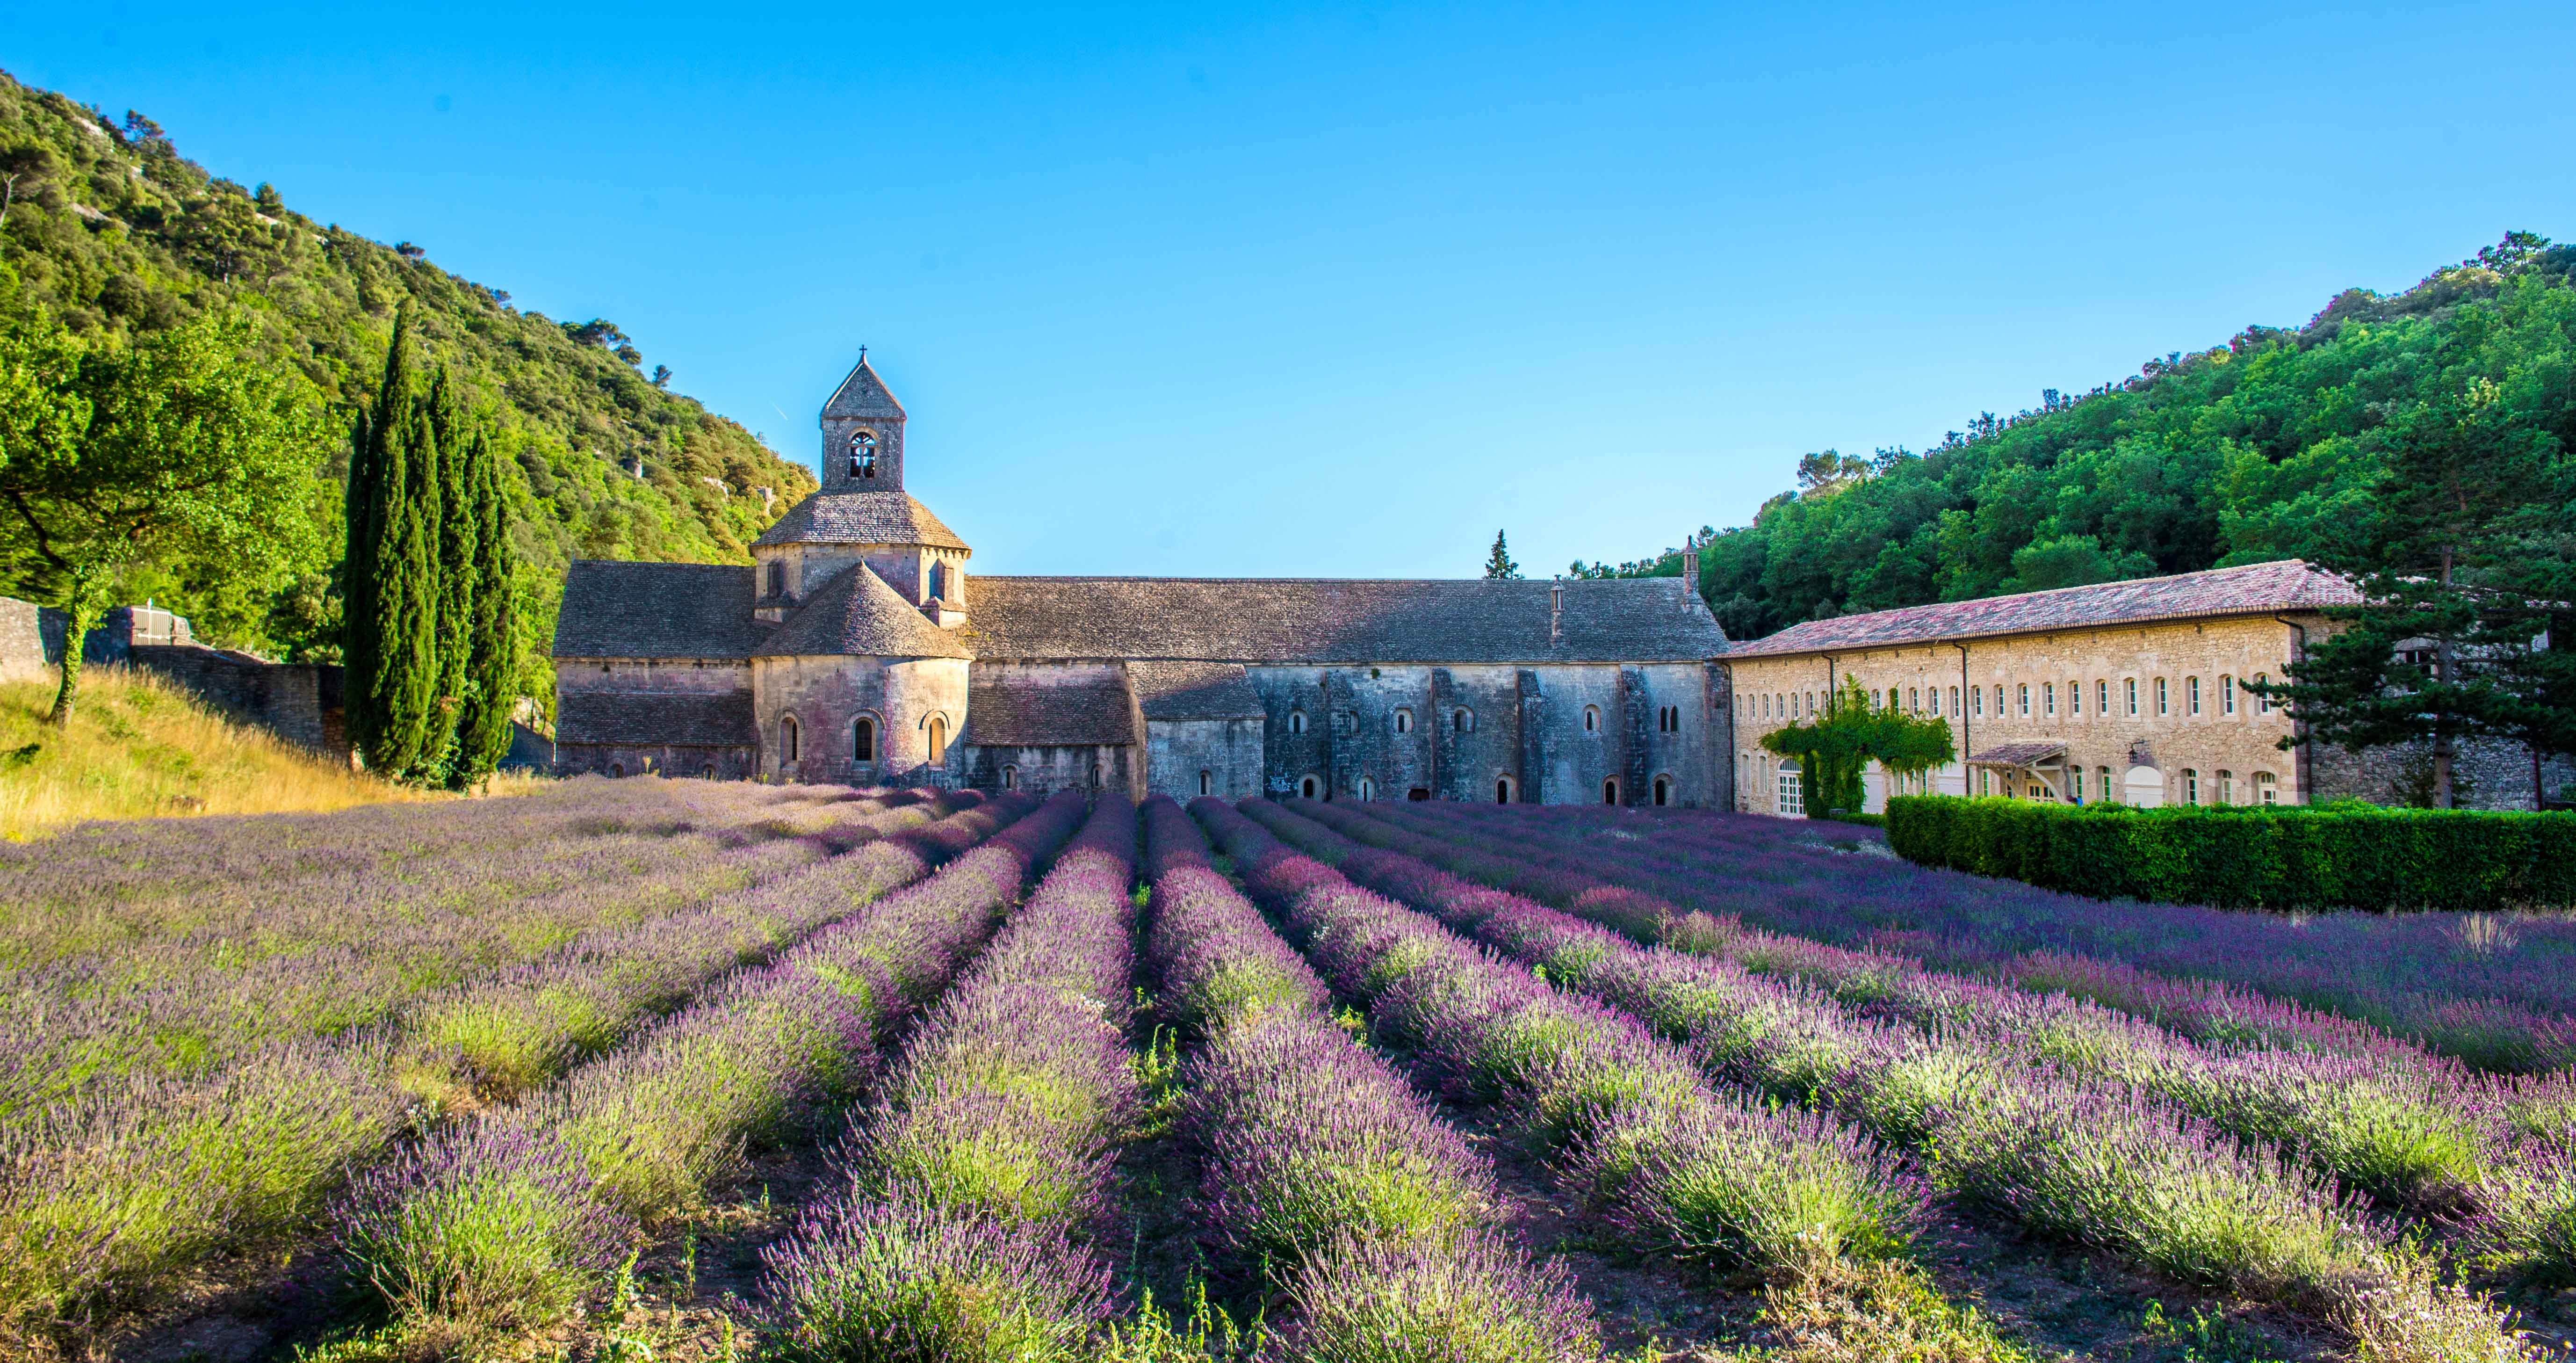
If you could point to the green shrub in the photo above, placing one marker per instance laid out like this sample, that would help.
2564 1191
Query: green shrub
2327 857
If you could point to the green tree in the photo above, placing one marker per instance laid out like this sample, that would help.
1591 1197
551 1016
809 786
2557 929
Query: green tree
493 659
183 445
1498 564
392 582
459 534
1836 748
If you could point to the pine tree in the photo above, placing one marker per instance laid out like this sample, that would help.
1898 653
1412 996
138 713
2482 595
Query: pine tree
492 666
1498 564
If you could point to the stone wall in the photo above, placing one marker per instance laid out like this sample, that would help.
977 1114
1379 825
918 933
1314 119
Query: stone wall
1188 758
828 696
1046 770
298 702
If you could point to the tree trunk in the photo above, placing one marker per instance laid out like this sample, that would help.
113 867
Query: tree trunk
78 622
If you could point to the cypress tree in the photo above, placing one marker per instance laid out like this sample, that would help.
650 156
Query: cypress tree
405 692
362 639
492 665
452 505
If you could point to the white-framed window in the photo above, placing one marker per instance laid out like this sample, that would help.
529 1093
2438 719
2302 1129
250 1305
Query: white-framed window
1977 700
2074 699
2102 698
1793 799
1985 780
2110 793
2075 784
1296 721
1592 719
2191 696
2191 785
2132 684
2024 698
2048 699
1954 701
1999 700
2226 694
2267 788
2162 707
2262 703
1914 700
2226 787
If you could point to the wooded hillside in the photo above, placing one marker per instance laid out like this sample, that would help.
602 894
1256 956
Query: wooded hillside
116 235
2275 444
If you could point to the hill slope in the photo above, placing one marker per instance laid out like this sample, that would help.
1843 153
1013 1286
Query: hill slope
118 235
2265 447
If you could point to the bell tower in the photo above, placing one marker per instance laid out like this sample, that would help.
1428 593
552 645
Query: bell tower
862 435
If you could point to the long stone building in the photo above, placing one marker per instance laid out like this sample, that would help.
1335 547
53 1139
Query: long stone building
857 647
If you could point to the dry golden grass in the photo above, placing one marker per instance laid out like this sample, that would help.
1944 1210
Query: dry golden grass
138 747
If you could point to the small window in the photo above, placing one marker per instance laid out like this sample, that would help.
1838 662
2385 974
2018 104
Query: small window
1954 701
1610 792
938 581
2048 699
2262 703
2102 698
1591 719
2226 695
2191 695
617 769
863 454
1663 791
1011 778
1503 790
2132 684
2267 788
2110 793
1403 721
2190 786
1977 695
1368 790
2161 707
1207 783
863 740
937 730
787 738
1306 787
777 577
1999 700
1465 720
1985 780
1914 700
1099 778
1296 721
2226 787
2075 784
2025 700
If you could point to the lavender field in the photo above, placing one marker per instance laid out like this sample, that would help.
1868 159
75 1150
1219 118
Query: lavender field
685 1070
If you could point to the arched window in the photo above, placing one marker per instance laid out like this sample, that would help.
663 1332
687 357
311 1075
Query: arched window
863 454
1010 777
1368 789
1914 700
938 731
1503 790
1465 719
1591 719
1663 790
1610 791
938 581
1207 783
708 771
1098 777
786 738
778 577
1306 787
1296 721
2267 788
863 740
1403 725
617 769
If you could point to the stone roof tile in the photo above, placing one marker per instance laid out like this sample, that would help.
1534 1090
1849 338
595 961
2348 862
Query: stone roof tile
1336 620
1024 712
657 610
861 518
1194 691
2253 589
855 614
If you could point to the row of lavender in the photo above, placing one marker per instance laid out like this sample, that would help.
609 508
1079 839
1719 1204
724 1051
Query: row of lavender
2387 1118
509 1220
104 1200
2497 991
130 984
1323 1175
1711 1179
2065 1155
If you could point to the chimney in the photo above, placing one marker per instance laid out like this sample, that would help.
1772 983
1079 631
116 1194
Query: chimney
1556 611
1690 567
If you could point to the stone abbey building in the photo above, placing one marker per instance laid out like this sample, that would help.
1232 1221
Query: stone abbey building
858 648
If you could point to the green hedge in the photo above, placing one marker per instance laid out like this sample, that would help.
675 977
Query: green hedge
2282 858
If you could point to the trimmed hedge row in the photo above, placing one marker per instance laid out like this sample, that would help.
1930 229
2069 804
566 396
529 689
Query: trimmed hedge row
2278 858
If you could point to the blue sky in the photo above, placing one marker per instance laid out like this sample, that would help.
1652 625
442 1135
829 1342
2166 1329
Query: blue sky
1338 291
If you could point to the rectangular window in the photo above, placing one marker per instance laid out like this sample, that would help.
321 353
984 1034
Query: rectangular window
2262 704
1978 694
2110 796
2226 695
1999 700
2161 708
1914 699
2190 786
2227 787
2102 698
1791 799
2191 695
2267 788
2024 697
2075 698
2074 779
1985 780
1954 701
2048 698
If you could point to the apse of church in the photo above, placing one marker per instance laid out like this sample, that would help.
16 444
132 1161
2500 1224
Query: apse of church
858 647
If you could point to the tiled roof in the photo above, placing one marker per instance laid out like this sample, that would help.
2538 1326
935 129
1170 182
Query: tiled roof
650 719
856 614
2018 754
862 394
2254 589
860 518
1326 620
657 610
1194 691
1021 712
